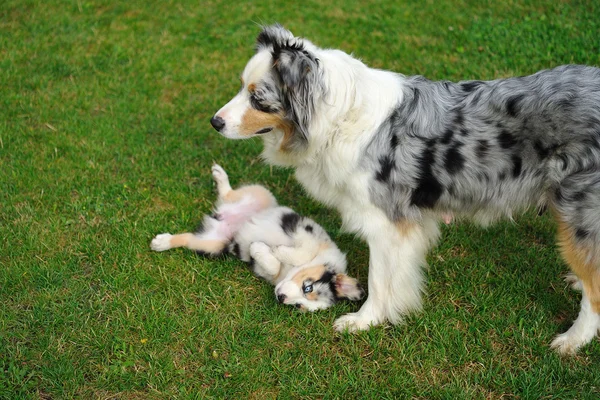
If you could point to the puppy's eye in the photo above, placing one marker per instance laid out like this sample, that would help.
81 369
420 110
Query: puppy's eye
308 288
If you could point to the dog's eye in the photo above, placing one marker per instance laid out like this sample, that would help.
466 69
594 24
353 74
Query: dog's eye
308 288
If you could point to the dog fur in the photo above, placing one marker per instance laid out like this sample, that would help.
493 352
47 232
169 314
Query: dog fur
290 251
397 154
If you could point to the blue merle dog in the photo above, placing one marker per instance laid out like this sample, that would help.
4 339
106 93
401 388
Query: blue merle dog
395 155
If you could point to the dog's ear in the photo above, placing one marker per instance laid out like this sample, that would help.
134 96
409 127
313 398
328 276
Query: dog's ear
297 68
348 288
273 35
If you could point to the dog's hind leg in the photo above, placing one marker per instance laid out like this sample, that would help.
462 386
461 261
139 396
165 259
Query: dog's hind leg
585 266
396 257
576 211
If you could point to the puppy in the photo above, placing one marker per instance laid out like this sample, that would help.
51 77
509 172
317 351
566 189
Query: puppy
396 155
290 251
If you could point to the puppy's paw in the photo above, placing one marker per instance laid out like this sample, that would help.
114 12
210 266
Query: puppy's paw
353 322
219 174
161 242
258 248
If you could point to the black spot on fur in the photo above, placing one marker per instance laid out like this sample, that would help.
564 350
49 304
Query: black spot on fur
393 140
454 161
459 119
558 195
414 102
387 165
512 105
326 277
470 86
541 151
289 222
235 249
517 166
464 132
502 176
308 228
581 233
579 196
447 137
482 148
506 140
429 189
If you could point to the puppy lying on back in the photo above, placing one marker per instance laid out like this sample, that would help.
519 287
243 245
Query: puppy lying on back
290 251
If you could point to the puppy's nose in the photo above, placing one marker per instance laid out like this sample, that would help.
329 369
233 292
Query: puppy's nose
217 122
281 298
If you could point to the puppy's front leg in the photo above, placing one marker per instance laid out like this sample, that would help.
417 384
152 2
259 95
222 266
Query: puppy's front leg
396 257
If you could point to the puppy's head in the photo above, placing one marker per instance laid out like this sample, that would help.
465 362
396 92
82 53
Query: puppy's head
277 96
316 287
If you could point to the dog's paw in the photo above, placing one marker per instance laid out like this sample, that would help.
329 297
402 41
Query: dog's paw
573 281
353 322
219 173
161 242
567 344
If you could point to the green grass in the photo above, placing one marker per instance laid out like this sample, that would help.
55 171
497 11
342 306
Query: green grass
105 141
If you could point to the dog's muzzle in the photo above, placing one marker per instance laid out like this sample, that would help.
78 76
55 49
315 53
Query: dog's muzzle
281 298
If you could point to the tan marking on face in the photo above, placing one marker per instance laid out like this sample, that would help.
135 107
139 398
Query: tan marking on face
582 262
251 87
254 120
313 273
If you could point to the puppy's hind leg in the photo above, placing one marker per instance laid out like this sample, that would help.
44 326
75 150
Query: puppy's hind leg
191 241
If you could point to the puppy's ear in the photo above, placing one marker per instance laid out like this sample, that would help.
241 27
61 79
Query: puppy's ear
348 288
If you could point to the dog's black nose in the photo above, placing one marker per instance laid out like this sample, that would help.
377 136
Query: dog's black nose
281 298
217 122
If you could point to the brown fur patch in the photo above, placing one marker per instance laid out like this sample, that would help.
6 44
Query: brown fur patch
180 240
254 120
582 262
251 87
406 227
190 241
313 273
255 191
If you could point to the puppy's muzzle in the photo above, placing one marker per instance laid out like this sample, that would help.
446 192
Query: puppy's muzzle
281 298
218 123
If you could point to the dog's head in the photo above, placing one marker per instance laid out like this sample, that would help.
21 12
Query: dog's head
278 90
316 287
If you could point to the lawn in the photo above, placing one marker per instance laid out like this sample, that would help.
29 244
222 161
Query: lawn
105 141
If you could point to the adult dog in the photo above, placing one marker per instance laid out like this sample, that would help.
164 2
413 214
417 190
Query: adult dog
397 154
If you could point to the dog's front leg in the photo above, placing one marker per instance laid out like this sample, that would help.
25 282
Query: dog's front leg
396 258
